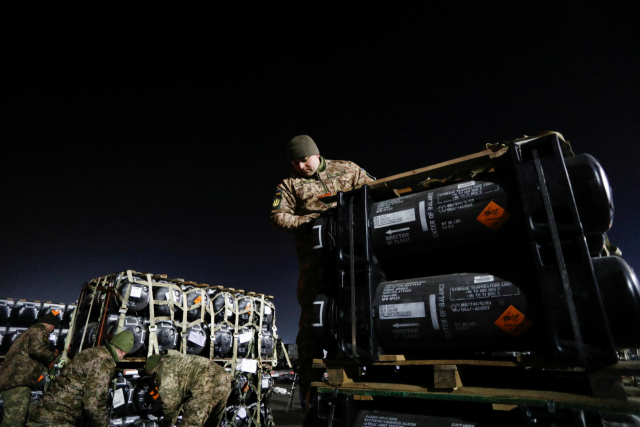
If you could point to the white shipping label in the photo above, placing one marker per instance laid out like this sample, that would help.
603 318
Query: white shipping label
267 310
242 413
246 337
248 365
118 398
135 291
483 279
196 338
394 218
466 184
265 382
402 311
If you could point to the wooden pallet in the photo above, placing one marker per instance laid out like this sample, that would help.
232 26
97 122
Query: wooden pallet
500 398
606 383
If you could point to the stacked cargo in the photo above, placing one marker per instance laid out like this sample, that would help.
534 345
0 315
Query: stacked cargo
485 280
232 327
16 316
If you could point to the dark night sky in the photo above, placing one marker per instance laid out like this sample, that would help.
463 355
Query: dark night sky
156 144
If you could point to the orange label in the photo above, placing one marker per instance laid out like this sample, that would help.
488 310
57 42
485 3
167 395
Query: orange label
197 301
493 216
513 322
55 312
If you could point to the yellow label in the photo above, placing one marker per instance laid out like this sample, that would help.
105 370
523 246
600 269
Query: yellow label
197 301
493 216
513 322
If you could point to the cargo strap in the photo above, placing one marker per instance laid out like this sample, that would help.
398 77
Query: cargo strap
153 336
125 300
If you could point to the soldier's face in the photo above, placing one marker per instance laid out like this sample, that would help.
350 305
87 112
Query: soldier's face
306 166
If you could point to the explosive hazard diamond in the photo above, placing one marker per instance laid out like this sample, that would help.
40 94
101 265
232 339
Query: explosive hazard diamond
493 216
513 322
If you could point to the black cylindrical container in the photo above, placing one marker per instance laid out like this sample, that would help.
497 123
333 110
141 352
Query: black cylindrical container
266 344
121 396
144 402
479 213
134 324
266 385
197 338
244 304
484 312
167 335
90 334
196 298
222 310
241 388
6 306
620 293
245 338
138 295
164 293
476 311
223 341
25 313
267 318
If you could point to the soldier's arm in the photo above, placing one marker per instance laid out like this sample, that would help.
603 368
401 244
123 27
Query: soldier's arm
39 347
361 176
96 392
283 215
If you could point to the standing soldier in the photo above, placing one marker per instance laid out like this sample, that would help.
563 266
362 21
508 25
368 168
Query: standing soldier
83 387
295 205
25 362
198 386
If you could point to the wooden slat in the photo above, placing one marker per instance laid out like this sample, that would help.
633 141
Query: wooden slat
439 170
488 395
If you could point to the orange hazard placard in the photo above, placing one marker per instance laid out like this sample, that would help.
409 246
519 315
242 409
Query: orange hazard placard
493 216
513 322
197 301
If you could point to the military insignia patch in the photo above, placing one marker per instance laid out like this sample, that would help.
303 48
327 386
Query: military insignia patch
277 199
45 337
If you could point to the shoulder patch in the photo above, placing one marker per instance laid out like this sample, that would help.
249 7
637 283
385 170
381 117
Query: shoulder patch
277 199
45 337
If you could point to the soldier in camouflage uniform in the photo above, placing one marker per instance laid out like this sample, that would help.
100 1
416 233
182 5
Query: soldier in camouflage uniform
196 385
295 206
82 387
23 366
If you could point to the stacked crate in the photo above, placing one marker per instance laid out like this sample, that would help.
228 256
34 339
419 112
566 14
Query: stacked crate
234 328
478 291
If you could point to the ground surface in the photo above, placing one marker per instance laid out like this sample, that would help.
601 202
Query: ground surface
278 403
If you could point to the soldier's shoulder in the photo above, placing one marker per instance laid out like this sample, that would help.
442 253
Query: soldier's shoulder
341 165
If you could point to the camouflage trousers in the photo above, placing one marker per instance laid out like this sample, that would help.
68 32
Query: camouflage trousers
209 399
310 284
16 406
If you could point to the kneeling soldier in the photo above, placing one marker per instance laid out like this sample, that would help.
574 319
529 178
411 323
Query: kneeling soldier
83 387
23 365
192 383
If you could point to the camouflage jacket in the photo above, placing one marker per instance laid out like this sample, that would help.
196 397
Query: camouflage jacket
296 202
83 385
26 359
177 374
